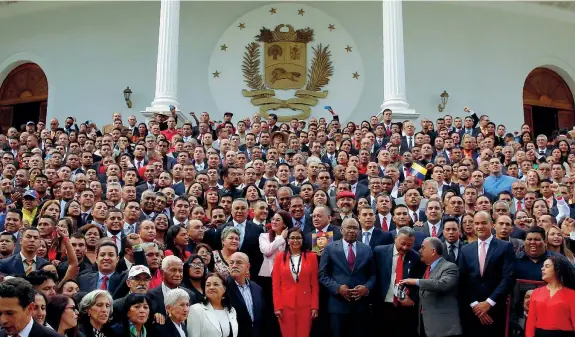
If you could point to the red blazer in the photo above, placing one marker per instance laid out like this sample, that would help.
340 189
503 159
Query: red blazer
289 294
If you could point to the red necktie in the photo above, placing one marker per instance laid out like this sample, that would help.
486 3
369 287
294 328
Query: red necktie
427 270
398 275
407 172
350 256
384 225
433 232
519 205
104 285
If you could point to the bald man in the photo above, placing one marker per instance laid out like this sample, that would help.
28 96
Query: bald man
485 282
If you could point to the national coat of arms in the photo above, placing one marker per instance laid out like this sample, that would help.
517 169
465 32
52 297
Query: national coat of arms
285 63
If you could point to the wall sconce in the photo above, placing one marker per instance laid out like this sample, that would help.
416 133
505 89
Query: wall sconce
127 95
444 98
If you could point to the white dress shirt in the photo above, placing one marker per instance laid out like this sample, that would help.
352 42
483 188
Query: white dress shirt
431 226
389 295
487 244
27 329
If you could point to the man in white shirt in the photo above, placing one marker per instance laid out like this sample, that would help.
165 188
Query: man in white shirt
114 223
181 209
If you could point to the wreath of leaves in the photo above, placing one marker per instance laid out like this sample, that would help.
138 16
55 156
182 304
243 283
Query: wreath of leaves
251 67
321 68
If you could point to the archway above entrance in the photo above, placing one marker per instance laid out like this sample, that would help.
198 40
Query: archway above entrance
547 102
23 96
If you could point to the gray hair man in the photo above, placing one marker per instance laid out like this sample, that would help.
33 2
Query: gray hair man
172 274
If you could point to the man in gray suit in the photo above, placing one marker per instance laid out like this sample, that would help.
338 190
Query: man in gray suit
437 292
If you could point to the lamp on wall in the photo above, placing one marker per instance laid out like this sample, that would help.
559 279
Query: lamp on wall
127 95
444 98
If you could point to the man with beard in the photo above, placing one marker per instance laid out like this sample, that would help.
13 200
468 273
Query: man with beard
40 185
231 176
172 274
105 277
405 169
345 204
246 297
138 282
218 217
79 244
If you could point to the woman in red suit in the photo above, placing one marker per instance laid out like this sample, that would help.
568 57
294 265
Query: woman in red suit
295 287
552 307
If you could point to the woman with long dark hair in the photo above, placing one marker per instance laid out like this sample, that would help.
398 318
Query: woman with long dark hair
295 286
62 315
552 307
177 242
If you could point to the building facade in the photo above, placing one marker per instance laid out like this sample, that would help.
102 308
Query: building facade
360 58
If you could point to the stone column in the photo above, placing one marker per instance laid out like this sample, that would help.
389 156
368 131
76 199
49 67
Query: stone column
167 64
394 95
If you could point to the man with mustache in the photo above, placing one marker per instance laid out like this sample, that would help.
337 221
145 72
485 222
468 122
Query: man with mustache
172 274
246 297
138 282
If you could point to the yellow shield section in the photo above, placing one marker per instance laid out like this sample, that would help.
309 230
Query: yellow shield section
285 65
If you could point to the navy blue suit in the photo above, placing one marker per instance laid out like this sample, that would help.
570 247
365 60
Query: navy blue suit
496 283
419 237
379 237
13 265
88 281
390 225
400 320
247 328
348 318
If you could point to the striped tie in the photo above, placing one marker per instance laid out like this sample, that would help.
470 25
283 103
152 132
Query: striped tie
29 267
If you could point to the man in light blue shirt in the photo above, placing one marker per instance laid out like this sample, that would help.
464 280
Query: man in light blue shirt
497 182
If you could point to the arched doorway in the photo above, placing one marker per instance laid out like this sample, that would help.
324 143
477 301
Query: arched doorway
547 102
23 96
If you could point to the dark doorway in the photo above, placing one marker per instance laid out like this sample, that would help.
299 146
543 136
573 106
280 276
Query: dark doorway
544 120
25 112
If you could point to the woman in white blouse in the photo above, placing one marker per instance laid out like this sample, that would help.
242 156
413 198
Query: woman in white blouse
271 243
215 317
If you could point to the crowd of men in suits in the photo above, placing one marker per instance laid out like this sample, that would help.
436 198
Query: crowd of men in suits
428 251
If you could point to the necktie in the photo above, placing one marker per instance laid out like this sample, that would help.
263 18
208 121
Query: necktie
427 271
387 130
373 203
398 275
433 232
84 217
139 165
350 256
415 217
298 224
104 285
241 228
29 264
519 206
384 225
115 239
366 236
410 142
452 256
482 256
407 172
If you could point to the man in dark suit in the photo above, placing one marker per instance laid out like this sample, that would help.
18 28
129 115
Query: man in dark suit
345 204
172 273
105 277
249 235
148 181
383 216
486 269
246 297
16 309
437 292
452 244
370 235
402 219
348 272
321 218
26 260
394 263
432 227
352 176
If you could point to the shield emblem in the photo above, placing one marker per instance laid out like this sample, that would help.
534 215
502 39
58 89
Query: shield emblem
285 64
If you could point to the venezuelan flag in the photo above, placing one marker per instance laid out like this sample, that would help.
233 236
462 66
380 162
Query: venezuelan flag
418 171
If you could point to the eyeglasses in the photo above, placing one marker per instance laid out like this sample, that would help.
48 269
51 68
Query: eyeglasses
297 238
73 308
196 265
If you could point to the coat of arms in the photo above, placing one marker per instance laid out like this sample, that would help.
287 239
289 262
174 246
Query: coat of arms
285 63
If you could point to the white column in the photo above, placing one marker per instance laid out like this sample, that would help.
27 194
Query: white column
167 64
394 95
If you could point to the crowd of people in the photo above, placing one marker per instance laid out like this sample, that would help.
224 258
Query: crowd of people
256 228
